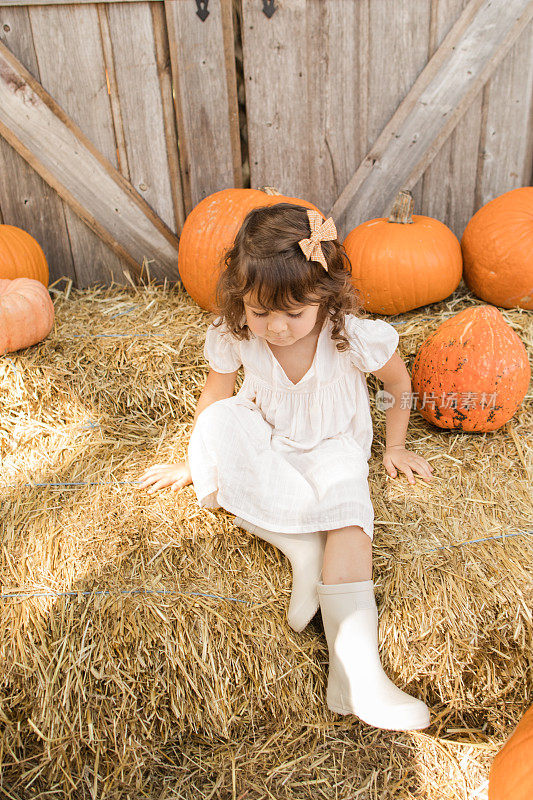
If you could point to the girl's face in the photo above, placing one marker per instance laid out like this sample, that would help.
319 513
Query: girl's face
281 327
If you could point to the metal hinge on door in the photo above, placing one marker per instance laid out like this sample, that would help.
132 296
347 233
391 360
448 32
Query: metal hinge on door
202 9
269 7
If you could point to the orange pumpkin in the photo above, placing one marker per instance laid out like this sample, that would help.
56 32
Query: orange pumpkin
26 313
210 229
21 256
497 249
511 772
404 261
472 372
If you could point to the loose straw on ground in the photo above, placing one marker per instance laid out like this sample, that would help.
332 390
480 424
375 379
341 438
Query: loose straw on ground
116 686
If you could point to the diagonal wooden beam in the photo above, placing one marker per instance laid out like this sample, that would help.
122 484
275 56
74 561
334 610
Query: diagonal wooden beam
35 125
466 59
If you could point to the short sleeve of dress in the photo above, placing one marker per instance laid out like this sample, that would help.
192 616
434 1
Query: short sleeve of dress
221 349
372 342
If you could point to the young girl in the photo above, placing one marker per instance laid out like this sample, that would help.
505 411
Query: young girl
289 453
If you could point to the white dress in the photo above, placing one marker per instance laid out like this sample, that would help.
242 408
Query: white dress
291 458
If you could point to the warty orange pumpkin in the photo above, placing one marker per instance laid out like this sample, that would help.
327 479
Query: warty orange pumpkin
472 372
210 229
21 256
497 249
404 261
26 313
511 772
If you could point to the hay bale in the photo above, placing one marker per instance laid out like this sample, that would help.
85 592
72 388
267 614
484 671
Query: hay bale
172 690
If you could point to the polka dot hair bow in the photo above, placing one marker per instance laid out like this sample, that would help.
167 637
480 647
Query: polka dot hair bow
320 232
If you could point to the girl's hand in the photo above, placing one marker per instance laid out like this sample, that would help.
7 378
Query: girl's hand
406 461
174 475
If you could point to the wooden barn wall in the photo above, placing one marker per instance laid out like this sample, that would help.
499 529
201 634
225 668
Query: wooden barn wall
183 108
106 67
343 69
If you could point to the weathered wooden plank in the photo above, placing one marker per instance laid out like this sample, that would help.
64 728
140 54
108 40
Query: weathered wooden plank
141 106
505 148
281 111
48 139
169 118
228 38
308 138
398 45
73 72
29 203
205 98
397 53
337 67
447 188
26 200
112 88
463 63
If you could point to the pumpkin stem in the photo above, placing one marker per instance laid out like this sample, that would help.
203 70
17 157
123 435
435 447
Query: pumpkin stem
269 190
402 209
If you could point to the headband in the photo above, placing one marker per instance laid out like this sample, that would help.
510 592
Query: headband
320 231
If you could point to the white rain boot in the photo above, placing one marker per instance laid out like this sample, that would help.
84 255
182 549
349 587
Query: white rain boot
305 552
357 683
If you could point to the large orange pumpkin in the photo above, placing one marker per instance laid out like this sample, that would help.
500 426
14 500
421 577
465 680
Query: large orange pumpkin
26 313
497 249
21 256
210 229
511 772
404 261
472 372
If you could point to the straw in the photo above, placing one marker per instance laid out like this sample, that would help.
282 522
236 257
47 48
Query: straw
117 685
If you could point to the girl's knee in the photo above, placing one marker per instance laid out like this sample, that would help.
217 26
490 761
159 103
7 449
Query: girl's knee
216 415
351 533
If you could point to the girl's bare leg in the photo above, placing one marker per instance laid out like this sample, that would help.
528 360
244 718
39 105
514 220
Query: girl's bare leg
357 683
347 556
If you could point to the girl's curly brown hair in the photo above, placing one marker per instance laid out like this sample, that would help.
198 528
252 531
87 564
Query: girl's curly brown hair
266 260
